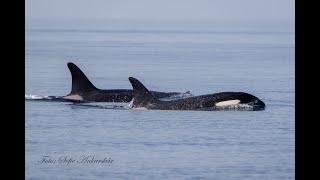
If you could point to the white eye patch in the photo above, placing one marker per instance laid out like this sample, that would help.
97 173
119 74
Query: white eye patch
227 103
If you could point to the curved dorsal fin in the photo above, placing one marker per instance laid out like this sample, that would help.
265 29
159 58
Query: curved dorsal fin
80 83
141 95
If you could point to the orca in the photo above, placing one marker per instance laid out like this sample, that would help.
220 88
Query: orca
144 99
83 90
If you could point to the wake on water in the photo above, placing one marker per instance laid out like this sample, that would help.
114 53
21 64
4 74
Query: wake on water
46 98
60 98
33 97
75 103
100 105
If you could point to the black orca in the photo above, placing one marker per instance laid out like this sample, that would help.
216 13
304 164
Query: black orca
144 99
83 90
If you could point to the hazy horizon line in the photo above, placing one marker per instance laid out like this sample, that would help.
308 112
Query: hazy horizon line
163 19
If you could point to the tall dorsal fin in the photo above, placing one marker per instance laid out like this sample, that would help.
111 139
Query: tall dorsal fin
141 95
80 83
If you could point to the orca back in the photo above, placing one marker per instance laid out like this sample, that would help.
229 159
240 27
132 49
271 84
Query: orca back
141 95
80 82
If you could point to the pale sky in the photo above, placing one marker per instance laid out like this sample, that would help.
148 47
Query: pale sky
163 9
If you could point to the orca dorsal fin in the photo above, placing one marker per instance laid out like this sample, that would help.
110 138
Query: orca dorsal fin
141 95
80 82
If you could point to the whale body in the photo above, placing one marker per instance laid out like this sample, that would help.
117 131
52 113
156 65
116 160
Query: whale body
144 99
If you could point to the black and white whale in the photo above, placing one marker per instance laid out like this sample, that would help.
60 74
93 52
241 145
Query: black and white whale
144 99
83 90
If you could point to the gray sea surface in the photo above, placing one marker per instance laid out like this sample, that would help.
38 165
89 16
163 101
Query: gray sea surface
66 140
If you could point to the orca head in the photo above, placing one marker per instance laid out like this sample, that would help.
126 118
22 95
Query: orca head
239 100
257 105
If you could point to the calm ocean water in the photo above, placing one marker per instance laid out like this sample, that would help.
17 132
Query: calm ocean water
203 57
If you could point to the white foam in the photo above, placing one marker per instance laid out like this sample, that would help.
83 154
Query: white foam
235 107
140 108
130 104
36 97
